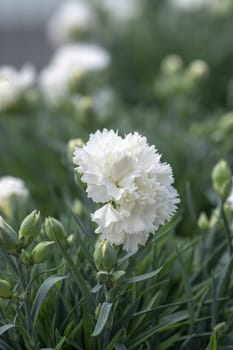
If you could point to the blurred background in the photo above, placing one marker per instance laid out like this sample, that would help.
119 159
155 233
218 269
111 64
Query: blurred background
160 67
22 31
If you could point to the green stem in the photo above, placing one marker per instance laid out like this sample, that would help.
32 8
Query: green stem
227 228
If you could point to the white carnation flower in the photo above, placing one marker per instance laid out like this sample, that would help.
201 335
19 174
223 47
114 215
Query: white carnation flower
12 186
68 62
127 176
14 83
71 17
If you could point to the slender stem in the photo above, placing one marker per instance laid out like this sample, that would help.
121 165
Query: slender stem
227 228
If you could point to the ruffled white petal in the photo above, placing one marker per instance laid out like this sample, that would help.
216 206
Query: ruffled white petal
126 174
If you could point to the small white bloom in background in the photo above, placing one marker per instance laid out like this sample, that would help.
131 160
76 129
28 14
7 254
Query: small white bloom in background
230 198
69 63
72 17
190 4
121 9
14 83
134 186
11 186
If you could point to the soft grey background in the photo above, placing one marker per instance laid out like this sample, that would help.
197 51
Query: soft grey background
23 31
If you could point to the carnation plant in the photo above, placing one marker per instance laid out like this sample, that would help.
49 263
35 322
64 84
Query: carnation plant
131 284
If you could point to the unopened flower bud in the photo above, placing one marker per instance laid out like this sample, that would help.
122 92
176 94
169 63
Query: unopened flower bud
117 277
171 64
198 69
25 257
29 228
203 222
8 237
77 207
105 256
5 289
71 146
53 227
42 252
70 240
222 179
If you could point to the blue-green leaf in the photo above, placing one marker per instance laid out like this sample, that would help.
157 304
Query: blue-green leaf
102 319
6 327
143 277
42 293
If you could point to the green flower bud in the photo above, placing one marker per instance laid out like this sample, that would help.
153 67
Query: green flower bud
25 257
42 252
77 207
54 227
8 237
70 240
5 289
71 146
118 277
203 222
105 256
222 179
29 228
198 69
171 64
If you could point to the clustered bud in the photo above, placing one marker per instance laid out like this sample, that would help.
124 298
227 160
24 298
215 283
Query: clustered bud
222 179
105 256
29 228
54 228
8 237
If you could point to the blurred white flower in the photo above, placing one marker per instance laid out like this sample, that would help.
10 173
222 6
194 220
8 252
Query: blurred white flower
68 63
12 186
14 83
121 9
71 17
190 4
230 198
126 174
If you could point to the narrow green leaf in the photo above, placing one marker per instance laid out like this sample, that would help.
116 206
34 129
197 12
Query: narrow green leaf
5 328
152 302
166 344
213 342
167 323
144 276
76 330
214 302
168 227
102 319
188 290
225 279
42 293
59 345
77 275
114 341
5 346
120 347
